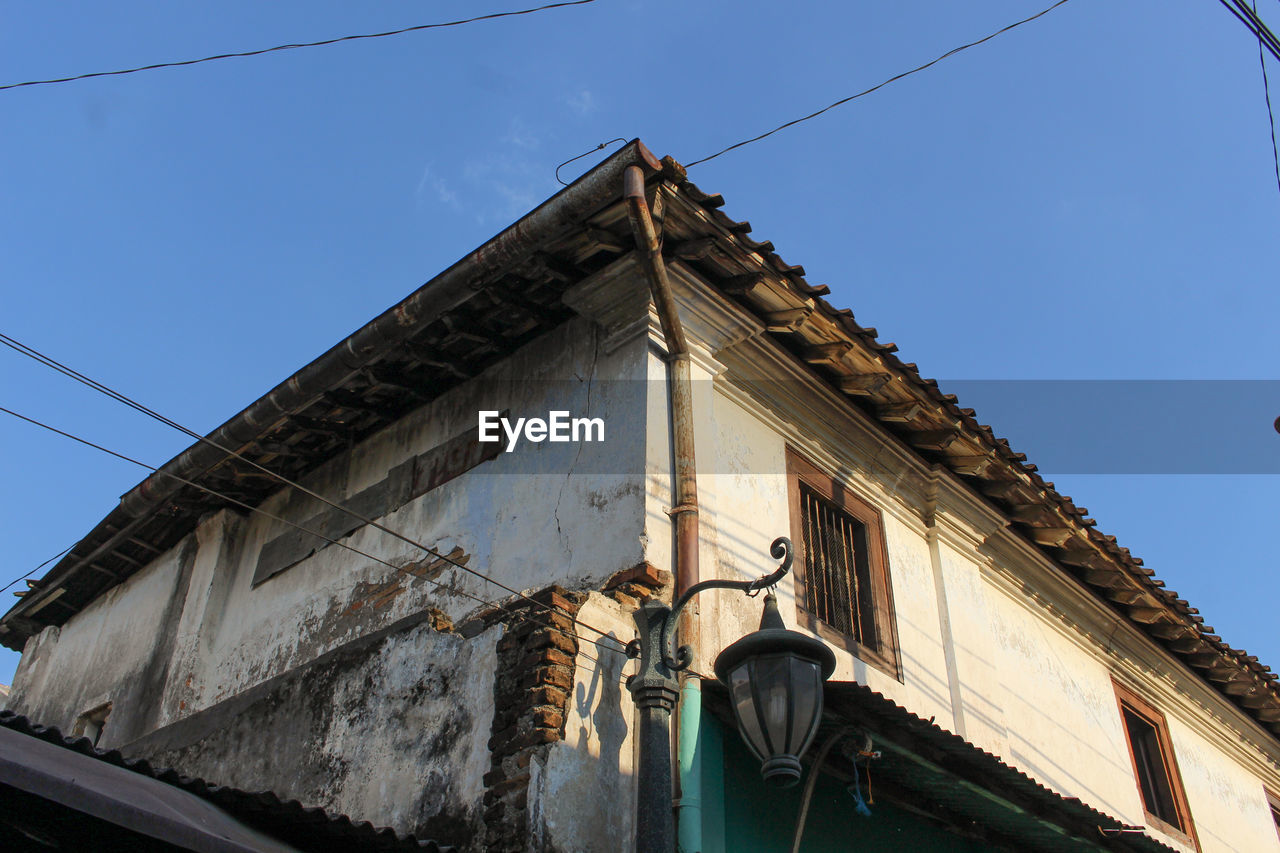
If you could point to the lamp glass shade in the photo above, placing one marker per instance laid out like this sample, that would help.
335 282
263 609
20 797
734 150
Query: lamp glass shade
777 700
775 681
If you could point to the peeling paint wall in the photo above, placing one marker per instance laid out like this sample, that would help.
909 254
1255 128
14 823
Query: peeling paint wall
391 728
526 518
341 681
118 650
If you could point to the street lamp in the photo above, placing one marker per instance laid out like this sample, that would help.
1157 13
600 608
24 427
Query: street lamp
774 678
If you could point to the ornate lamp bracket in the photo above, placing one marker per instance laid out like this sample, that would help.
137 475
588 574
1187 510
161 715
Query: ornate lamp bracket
657 622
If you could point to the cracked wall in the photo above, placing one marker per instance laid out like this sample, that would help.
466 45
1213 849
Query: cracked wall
340 681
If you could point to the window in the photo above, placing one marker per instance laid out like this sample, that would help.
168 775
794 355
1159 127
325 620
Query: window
1274 802
1154 766
841 565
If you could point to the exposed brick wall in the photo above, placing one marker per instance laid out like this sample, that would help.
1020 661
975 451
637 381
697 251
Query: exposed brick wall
632 586
531 698
532 691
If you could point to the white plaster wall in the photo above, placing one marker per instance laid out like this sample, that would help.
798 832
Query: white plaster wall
984 650
1064 728
582 795
1032 688
743 492
101 654
1060 716
981 713
1227 801
527 518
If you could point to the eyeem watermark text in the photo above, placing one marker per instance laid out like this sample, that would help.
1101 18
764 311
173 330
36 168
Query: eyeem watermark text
557 426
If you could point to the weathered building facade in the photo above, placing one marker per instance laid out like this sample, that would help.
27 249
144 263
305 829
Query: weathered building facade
446 655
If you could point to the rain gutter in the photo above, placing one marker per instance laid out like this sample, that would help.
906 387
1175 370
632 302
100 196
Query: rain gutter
684 514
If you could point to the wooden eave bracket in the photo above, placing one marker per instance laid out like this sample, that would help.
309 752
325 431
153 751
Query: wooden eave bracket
900 413
1171 631
1054 537
1034 514
863 384
789 320
970 466
831 354
932 439
1106 578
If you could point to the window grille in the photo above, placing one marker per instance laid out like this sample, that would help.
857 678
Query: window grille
838 571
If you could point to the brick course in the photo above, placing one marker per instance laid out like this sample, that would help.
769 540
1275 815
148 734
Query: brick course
531 694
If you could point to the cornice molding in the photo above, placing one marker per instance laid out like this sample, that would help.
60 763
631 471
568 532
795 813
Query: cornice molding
616 298
753 369
1039 586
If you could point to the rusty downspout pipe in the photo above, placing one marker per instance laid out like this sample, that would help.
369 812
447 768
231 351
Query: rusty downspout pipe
685 512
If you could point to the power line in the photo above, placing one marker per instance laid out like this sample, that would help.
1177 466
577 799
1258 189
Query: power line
1266 40
331 541
893 79
599 147
1249 17
52 363
278 47
1271 117
37 568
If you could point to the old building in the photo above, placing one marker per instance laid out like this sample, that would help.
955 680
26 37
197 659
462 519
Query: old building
429 634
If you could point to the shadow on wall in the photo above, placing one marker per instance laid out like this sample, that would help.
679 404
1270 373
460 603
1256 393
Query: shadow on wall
585 789
608 725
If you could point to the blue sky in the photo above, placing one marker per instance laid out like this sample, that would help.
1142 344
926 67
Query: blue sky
1090 196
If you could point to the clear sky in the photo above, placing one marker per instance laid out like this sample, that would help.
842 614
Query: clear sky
1090 196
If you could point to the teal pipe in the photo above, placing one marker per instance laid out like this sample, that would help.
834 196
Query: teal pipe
689 762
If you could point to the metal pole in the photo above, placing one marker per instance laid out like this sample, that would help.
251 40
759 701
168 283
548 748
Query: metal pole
654 691
684 514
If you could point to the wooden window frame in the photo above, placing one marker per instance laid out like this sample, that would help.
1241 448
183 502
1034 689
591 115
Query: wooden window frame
886 656
1128 701
1273 803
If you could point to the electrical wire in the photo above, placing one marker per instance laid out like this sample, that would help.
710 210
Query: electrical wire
1271 116
401 31
809 784
398 569
1266 41
893 79
53 364
599 147
37 568
1249 17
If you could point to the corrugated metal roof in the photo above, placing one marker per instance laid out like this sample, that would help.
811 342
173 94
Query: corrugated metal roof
941 776
297 826
957 776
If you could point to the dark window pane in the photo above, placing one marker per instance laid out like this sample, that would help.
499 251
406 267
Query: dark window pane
1153 775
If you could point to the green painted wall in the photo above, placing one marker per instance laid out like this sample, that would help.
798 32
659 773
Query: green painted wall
741 815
